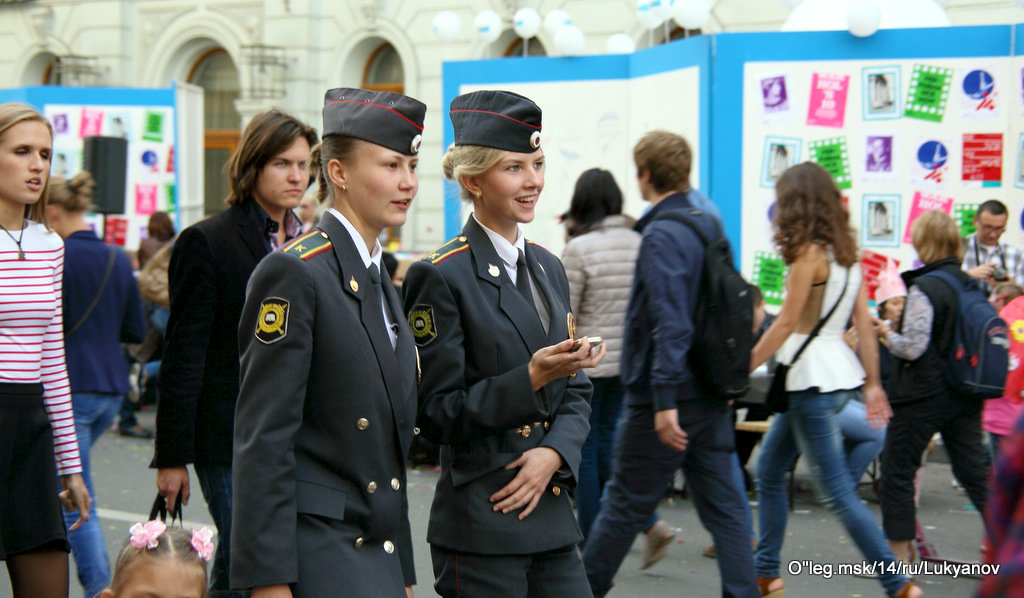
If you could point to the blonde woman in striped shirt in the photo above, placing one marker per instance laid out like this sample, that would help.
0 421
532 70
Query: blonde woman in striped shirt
36 421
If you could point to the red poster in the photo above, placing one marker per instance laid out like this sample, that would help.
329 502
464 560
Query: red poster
871 265
115 230
983 159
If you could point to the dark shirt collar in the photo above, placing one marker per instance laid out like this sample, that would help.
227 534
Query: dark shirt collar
85 235
676 201
269 227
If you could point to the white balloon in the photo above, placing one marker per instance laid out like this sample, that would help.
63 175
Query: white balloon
569 40
446 26
863 17
662 9
620 43
555 20
646 16
488 25
691 14
526 22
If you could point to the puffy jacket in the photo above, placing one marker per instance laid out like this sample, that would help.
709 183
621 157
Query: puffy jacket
600 265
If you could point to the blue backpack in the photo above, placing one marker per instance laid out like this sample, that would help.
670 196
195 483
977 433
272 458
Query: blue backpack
979 355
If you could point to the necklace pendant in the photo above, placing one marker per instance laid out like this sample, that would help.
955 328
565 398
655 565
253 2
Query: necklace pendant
21 254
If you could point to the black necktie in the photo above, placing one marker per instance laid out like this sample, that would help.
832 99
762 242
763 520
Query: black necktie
523 280
375 279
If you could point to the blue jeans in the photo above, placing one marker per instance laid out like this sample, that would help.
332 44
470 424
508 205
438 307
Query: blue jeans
642 468
811 424
861 442
596 461
94 413
215 481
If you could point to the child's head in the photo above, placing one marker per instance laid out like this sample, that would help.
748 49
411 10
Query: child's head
162 562
1004 293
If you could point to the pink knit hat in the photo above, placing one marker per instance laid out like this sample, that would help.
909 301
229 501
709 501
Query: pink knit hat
889 284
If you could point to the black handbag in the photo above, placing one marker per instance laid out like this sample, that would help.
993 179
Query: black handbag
159 509
777 399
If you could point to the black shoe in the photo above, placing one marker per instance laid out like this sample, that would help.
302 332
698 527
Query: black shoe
136 431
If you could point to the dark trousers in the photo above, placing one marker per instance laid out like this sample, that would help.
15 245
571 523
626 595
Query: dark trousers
641 469
215 481
554 574
911 427
596 460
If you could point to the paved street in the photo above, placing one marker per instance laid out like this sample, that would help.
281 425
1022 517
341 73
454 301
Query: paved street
126 489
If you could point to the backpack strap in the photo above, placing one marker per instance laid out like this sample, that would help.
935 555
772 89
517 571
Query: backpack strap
99 293
949 279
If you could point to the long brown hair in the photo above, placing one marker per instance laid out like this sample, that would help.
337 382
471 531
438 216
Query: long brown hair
13 113
809 209
268 134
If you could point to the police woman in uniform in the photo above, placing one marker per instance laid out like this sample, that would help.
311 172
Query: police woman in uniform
328 398
502 390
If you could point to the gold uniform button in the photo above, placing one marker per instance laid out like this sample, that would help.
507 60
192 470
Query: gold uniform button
415 431
362 423
556 490
462 239
358 542
395 484
389 547
371 487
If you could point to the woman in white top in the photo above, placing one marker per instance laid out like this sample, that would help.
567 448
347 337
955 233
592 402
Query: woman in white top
813 234
36 422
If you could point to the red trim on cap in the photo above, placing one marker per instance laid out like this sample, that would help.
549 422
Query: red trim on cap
418 127
498 114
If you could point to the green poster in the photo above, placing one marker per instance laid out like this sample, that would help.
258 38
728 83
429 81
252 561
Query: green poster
154 126
833 156
170 206
963 215
929 92
770 276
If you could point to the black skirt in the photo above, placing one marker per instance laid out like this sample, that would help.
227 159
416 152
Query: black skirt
30 516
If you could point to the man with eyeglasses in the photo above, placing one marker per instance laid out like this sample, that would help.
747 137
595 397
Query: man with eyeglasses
987 259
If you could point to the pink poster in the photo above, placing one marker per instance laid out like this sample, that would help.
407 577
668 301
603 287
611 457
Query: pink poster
925 202
827 107
92 123
145 199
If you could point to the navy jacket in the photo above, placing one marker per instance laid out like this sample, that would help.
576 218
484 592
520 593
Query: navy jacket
96 359
659 320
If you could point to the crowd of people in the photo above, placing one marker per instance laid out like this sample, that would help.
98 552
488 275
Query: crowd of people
294 375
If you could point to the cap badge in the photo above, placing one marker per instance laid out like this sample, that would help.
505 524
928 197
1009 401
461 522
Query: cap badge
414 147
492 270
535 140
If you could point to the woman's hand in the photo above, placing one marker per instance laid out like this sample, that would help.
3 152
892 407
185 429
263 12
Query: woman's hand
850 336
881 327
558 361
75 496
536 466
876 405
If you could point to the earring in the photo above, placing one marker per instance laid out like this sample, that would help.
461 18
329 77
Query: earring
344 188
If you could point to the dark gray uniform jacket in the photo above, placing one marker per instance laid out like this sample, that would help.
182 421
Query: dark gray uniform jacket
476 335
323 426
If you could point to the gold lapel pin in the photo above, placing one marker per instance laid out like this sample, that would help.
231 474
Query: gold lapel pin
492 270
354 285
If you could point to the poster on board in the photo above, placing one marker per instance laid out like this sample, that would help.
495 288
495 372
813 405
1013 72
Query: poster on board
925 202
880 213
982 160
928 94
827 104
979 97
880 153
775 104
880 92
779 154
930 164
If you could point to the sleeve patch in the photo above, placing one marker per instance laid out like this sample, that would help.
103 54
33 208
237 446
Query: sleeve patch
421 320
272 324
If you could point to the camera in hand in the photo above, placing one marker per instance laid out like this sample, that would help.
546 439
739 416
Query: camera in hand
999 274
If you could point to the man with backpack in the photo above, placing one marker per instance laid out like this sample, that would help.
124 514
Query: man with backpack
950 353
673 417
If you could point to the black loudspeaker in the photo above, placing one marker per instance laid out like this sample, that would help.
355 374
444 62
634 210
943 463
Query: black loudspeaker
106 159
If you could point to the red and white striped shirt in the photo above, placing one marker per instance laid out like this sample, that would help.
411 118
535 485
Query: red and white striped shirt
32 331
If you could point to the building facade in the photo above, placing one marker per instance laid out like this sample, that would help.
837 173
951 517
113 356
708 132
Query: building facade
249 55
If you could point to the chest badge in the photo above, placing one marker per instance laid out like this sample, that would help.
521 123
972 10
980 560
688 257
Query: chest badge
493 270
272 324
353 285
570 323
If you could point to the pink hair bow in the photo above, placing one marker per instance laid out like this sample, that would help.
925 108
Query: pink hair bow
144 535
202 543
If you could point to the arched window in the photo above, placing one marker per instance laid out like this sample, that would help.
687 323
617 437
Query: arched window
216 73
384 70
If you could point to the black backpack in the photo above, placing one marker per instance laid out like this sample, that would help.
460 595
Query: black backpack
978 360
720 355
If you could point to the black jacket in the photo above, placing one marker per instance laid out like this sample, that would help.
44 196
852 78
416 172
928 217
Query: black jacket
198 382
925 376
